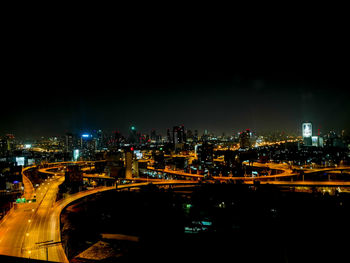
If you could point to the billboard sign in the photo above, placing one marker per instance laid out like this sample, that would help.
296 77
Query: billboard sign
138 154
307 130
20 161
76 155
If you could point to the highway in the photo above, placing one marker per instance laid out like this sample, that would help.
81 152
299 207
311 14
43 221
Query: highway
32 223
11 244
40 226
285 172
28 186
28 224
163 182
307 183
58 172
339 168
53 231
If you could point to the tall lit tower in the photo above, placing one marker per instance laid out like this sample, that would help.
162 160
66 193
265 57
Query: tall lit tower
307 133
132 135
128 163
244 139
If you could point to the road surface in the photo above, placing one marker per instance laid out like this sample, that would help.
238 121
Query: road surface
32 223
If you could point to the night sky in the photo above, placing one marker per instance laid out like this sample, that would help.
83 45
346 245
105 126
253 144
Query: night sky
53 84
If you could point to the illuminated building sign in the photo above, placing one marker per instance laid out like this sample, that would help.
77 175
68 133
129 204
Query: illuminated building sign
20 161
138 154
315 141
307 130
76 155
85 135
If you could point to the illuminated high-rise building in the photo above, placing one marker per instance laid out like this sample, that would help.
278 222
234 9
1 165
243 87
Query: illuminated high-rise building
179 134
7 144
317 141
204 153
87 146
133 136
115 140
128 164
195 136
307 133
100 140
189 136
153 136
3 146
70 142
244 139
175 135
168 136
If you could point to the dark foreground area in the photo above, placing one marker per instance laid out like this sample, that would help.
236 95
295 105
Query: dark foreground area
210 223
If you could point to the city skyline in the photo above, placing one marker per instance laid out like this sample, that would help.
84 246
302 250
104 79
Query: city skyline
131 139
220 102
60 81
316 131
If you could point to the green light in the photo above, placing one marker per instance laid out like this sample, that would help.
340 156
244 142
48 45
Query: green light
20 200
206 223
160 149
132 127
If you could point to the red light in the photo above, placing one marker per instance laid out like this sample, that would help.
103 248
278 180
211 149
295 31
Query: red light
131 148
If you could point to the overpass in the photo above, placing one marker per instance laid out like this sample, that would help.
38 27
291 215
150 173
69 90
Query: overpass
30 224
53 171
306 183
326 169
284 172
33 223
159 183
27 184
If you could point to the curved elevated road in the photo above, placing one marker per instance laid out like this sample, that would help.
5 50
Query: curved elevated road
33 223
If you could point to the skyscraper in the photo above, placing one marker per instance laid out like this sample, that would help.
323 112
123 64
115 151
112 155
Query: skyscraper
205 153
307 133
133 138
195 136
179 134
244 139
189 136
168 136
87 146
153 135
71 142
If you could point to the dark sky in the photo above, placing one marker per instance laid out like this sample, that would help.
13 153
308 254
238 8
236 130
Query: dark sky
59 81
